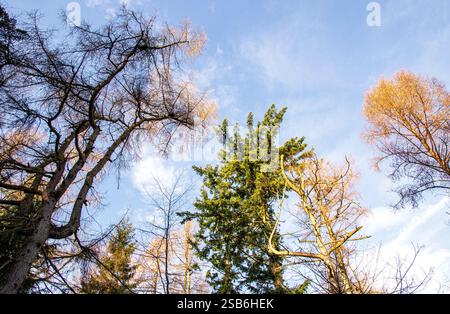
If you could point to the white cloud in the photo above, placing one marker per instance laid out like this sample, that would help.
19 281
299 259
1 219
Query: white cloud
154 177
418 221
110 6
407 225
210 77
384 219
145 171
110 13
401 230
286 53
96 3
144 216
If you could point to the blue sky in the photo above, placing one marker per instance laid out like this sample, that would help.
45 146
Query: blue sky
318 58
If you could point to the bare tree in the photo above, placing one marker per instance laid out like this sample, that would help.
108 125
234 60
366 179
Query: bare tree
395 275
328 257
149 270
409 124
328 216
168 263
186 279
74 107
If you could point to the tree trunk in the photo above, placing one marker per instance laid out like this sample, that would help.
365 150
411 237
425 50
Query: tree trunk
187 258
348 288
20 266
226 280
276 270
166 261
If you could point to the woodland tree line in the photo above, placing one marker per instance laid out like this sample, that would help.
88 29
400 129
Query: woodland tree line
76 109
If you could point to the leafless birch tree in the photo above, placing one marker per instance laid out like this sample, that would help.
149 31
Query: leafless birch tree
168 263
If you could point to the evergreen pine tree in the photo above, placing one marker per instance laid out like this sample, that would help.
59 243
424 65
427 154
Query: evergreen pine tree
115 274
9 35
235 209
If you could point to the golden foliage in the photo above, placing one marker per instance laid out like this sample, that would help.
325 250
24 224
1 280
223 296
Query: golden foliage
180 261
407 104
328 209
195 39
409 123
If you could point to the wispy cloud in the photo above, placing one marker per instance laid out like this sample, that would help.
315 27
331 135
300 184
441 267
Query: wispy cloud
96 3
286 54
110 6
145 171
399 231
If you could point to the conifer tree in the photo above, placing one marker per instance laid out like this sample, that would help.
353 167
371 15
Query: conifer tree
235 209
9 34
115 274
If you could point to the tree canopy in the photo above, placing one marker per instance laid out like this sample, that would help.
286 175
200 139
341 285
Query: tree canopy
235 211
409 124
115 269
71 108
